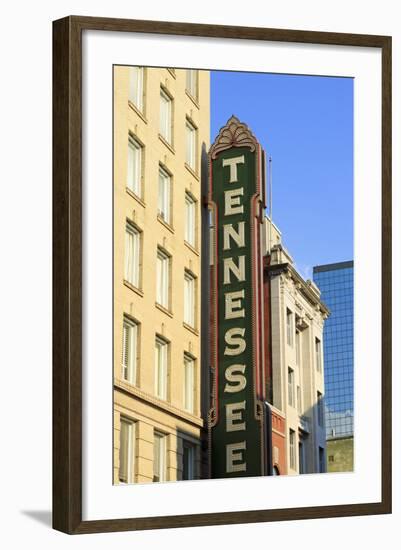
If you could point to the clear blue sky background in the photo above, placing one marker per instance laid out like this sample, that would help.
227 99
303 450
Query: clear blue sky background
306 124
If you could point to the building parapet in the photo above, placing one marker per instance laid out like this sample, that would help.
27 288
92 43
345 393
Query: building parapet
307 288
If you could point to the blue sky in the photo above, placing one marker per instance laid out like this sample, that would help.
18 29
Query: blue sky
306 124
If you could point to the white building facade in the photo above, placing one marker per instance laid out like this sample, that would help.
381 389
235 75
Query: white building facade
295 377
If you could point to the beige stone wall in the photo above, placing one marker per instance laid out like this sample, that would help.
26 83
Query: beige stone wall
138 402
340 454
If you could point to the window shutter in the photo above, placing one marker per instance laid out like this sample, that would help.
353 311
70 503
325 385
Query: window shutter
125 351
128 256
163 369
189 384
124 451
189 300
165 281
160 196
164 196
134 166
189 220
165 116
135 258
130 166
136 87
159 459
156 458
159 275
188 145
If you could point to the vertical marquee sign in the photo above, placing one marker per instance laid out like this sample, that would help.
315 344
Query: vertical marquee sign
237 418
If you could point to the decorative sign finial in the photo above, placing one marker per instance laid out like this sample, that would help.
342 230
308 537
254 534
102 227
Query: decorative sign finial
233 134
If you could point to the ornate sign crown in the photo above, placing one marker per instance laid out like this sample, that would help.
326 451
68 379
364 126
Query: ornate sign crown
233 134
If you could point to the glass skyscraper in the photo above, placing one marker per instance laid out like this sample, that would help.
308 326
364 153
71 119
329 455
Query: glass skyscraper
336 283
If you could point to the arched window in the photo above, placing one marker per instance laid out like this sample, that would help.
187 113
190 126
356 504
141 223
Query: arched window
276 471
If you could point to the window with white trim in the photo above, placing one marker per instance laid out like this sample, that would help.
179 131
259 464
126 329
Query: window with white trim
189 299
188 461
190 219
290 328
292 450
318 353
299 401
136 80
162 278
165 116
298 347
189 383
190 148
159 457
291 387
134 167
301 456
129 350
132 255
126 451
191 85
163 202
161 368
320 411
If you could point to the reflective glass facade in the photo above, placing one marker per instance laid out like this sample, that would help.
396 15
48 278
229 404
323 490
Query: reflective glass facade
336 283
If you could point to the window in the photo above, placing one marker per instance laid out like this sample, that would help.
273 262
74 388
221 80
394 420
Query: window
291 388
320 417
322 465
134 168
165 116
129 351
318 352
298 347
163 275
190 215
188 459
163 207
189 299
299 403
301 456
189 383
290 328
127 438
132 255
136 87
161 368
190 158
292 449
159 457
192 83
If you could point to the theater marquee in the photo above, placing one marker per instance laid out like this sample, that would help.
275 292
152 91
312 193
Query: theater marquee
238 437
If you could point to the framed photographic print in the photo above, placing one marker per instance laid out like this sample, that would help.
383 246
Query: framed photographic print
222 275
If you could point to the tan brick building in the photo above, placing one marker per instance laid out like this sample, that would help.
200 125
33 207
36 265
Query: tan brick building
161 129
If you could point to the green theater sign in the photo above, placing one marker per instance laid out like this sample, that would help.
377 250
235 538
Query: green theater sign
238 434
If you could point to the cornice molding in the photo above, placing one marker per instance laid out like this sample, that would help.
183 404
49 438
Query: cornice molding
303 288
